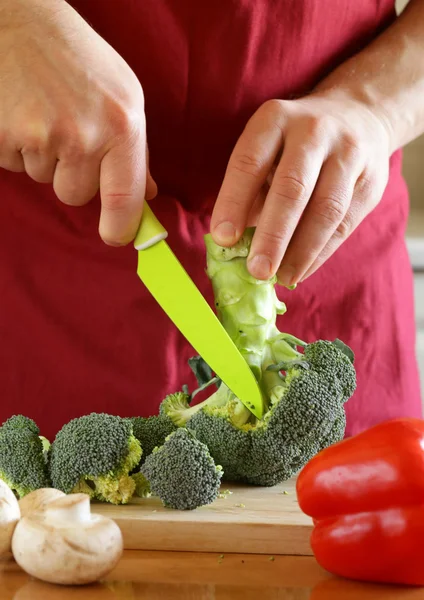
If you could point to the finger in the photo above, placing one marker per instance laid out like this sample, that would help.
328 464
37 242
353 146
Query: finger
122 189
328 206
257 206
248 167
76 184
366 196
151 187
39 166
290 190
11 160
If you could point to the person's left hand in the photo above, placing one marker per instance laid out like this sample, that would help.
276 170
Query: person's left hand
306 173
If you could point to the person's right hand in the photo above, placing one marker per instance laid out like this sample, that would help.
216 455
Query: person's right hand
72 113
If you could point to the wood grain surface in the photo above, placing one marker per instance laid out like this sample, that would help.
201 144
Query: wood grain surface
146 575
251 520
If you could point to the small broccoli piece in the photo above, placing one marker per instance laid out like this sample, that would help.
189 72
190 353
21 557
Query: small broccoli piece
94 454
152 431
182 472
22 464
305 385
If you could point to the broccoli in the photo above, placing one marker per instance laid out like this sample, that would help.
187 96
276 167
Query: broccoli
182 472
22 464
152 432
94 454
142 486
305 386
20 422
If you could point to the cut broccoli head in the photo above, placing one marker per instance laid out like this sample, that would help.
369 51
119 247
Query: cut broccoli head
22 464
306 414
94 454
305 386
182 473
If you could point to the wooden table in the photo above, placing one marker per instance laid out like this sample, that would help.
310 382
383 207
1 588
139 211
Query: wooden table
196 576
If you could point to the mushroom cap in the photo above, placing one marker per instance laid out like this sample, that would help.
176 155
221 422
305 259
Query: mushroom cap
9 516
66 544
38 500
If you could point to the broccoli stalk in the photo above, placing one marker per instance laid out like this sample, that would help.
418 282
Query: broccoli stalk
248 309
304 385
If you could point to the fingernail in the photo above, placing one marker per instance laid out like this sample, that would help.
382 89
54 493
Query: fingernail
260 266
225 232
285 276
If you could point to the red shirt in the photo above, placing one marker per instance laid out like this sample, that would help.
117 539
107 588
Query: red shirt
78 330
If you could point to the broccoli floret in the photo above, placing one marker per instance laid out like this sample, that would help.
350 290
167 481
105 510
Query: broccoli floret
152 432
22 464
305 386
94 454
20 422
182 472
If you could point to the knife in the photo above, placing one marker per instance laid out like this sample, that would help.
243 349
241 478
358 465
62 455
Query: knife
173 289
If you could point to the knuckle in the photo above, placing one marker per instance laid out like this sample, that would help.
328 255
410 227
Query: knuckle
248 164
351 146
273 112
367 184
116 202
72 138
330 210
344 228
273 106
289 186
34 143
273 238
317 127
74 147
232 201
125 123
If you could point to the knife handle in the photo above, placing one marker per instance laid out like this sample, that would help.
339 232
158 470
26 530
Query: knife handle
151 231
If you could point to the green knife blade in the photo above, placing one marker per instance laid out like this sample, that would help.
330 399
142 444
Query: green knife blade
168 282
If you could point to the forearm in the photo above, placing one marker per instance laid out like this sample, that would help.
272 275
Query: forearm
388 76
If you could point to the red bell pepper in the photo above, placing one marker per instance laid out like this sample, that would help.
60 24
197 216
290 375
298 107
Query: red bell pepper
365 495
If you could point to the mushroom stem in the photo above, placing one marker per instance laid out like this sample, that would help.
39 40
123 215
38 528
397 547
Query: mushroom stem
69 509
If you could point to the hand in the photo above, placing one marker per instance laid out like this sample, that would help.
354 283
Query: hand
72 113
306 173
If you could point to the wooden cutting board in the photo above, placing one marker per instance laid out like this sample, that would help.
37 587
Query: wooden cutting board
251 520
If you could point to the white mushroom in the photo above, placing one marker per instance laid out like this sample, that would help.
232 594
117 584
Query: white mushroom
38 500
9 517
66 544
